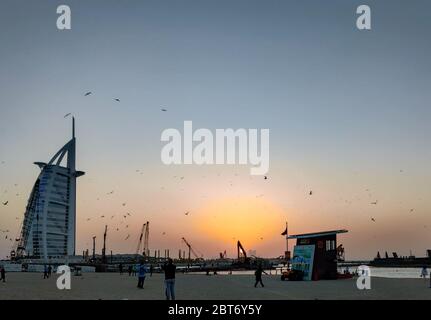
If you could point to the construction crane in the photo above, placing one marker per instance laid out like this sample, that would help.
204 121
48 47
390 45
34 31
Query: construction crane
146 240
145 233
223 255
242 255
191 250
104 245
94 248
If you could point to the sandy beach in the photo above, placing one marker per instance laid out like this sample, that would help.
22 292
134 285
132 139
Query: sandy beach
110 286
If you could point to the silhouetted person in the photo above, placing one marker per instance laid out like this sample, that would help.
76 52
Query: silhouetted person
151 270
121 268
45 272
424 272
141 276
3 274
130 270
49 271
258 274
169 269
134 270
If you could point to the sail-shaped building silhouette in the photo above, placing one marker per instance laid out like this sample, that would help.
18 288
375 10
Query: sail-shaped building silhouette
49 226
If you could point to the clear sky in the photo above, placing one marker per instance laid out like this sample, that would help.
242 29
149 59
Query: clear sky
348 112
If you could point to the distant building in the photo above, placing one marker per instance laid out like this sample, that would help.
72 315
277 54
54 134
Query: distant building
49 225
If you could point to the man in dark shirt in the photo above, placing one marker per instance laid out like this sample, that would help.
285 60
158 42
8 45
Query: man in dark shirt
258 275
169 269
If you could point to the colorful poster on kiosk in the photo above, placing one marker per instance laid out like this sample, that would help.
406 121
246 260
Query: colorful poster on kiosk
303 258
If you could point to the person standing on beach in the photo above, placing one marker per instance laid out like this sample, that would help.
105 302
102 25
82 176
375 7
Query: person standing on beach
151 270
121 268
45 271
130 269
424 272
49 271
141 276
169 269
3 273
258 274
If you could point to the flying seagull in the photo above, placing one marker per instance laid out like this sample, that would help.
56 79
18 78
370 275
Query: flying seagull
266 178
88 93
372 219
187 213
128 236
5 203
375 202
116 99
66 115
164 110
311 192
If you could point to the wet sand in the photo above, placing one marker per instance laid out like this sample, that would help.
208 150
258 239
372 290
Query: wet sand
109 286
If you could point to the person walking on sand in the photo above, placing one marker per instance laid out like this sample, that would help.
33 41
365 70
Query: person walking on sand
151 270
141 275
3 273
130 269
169 269
258 274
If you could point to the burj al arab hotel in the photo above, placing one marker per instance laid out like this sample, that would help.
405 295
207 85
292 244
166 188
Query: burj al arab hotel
49 226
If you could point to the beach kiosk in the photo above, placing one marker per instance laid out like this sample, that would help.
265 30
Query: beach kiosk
317 254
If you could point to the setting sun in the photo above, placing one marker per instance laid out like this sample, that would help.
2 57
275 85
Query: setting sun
250 220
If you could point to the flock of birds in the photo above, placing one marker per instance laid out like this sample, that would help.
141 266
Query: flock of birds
187 213
115 99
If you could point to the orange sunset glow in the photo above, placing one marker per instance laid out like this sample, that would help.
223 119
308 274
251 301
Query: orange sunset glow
250 220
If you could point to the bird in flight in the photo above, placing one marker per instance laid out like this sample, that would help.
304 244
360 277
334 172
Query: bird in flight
375 202
266 178
5 203
66 115
164 110
187 213
372 219
128 236
116 99
88 93
311 193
